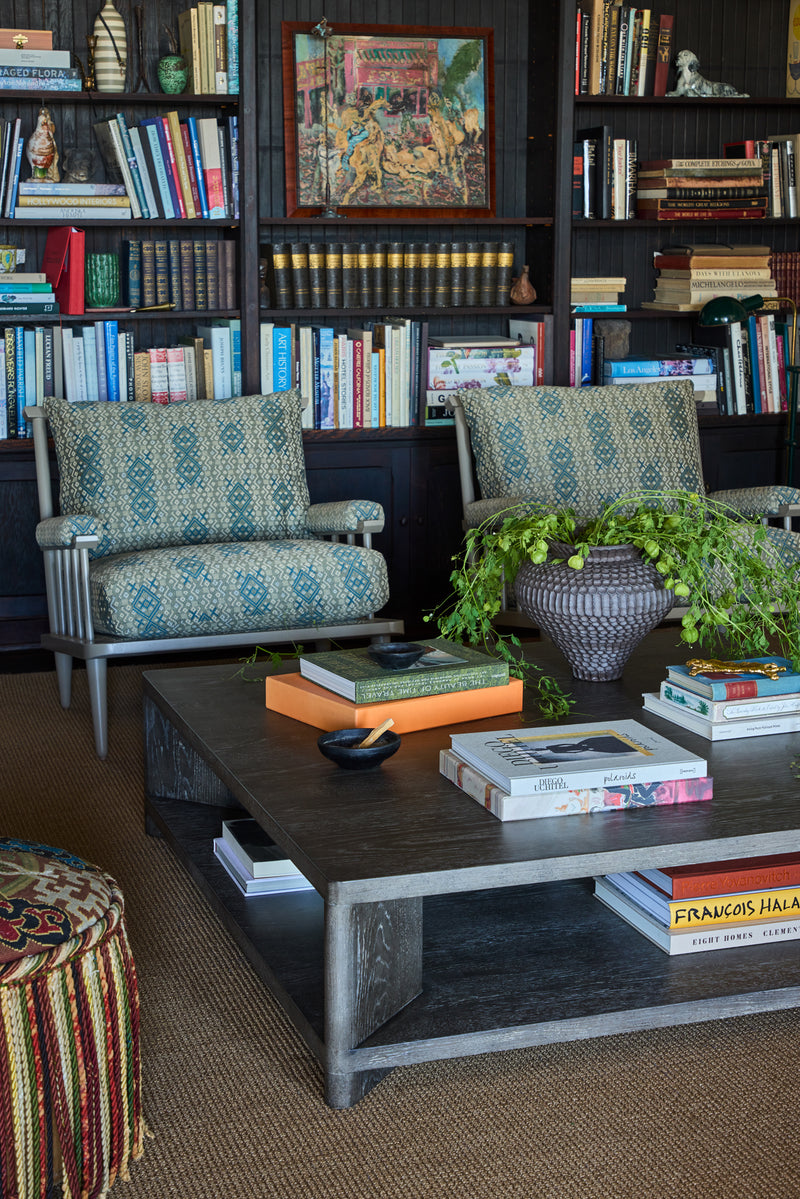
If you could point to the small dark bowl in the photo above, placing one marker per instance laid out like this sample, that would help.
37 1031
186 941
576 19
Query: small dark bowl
342 747
397 655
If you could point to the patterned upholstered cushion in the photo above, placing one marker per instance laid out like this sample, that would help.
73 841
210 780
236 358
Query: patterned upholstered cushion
198 472
211 589
579 447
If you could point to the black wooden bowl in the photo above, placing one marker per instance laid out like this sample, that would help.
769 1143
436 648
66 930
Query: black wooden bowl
342 747
397 655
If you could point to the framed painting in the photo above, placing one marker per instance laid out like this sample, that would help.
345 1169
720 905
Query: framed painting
388 120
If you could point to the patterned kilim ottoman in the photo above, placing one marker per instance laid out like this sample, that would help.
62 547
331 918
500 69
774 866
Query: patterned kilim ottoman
69 1028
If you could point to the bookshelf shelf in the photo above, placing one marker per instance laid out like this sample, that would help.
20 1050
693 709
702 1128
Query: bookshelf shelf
436 222
317 314
118 100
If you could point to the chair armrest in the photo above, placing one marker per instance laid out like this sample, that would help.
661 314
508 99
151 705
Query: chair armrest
59 532
758 501
345 516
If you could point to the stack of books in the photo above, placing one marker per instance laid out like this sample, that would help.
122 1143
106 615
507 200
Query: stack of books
26 293
598 293
522 774
621 51
478 361
37 67
724 705
255 863
688 276
697 189
41 200
348 689
700 370
209 42
711 905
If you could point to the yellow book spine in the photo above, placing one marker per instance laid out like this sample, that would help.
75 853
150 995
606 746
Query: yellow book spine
735 909
180 159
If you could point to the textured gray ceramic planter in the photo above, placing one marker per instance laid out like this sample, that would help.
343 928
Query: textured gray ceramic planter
596 616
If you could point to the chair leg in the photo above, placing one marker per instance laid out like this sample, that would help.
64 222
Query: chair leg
96 674
64 676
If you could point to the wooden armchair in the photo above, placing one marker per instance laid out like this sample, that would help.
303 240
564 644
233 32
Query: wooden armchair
188 526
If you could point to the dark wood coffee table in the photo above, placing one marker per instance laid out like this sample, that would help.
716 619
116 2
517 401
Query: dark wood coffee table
435 930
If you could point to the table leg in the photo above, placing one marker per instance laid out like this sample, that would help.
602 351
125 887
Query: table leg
373 968
173 770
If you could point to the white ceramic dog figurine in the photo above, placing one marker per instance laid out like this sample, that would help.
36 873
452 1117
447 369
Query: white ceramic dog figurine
692 83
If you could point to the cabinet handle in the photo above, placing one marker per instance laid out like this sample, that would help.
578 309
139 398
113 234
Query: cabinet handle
403 521
420 520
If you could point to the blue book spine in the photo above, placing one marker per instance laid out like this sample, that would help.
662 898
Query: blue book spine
99 360
111 342
157 124
132 271
755 374
315 379
327 338
586 352
634 367
30 368
122 125
236 357
233 138
191 125
89 338
281 358
232 45
162 180
19 363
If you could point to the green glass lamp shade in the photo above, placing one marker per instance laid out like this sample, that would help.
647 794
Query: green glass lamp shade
724 310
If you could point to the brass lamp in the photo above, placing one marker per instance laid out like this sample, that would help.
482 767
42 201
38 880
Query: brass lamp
727 310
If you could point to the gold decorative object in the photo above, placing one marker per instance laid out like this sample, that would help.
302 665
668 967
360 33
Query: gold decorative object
20 40
711 665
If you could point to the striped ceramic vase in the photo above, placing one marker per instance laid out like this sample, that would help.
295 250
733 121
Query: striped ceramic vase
111 53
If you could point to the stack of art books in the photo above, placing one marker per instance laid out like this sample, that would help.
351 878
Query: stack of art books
723 705
712 905
349 689
522 774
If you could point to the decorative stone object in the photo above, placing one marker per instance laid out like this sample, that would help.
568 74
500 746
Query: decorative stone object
173 74
692 83
111 51
598 615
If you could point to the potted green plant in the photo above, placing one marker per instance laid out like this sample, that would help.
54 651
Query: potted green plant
737 583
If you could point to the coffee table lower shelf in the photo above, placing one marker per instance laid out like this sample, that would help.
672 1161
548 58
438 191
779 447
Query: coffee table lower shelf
501 969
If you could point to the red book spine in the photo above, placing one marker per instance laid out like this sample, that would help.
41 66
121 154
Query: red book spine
730 882
663 53
187 149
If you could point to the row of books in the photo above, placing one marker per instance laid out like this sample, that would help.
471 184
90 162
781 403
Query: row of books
777 154
711 905
604 174
687 277
171 168
372 275
209 42
695 189
392 373
785 266
620 50
39 68
727 705
98 361
188 274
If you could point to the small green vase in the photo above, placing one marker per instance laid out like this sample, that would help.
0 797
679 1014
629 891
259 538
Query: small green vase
173 74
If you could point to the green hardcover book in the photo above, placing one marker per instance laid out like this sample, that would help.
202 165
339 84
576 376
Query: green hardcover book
282 293
505 271
349 275
298 251
316 274
333 274
487 282
394 274
187 274
175 289
199 258
427 273
442 273
161 267
354 673
212 276
411 256
365 272
472 274
148 274
458 274
379 275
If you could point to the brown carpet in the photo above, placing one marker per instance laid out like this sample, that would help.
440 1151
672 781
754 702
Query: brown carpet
235 1101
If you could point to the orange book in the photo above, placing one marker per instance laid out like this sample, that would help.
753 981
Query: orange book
292 695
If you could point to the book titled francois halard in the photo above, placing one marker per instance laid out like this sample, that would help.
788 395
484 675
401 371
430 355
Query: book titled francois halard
538 760
447 666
